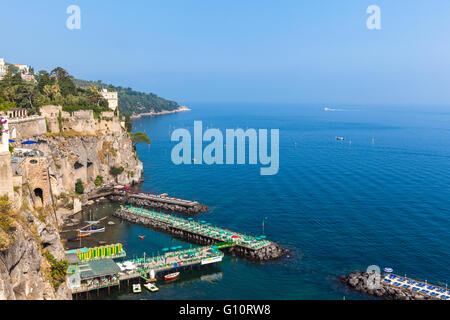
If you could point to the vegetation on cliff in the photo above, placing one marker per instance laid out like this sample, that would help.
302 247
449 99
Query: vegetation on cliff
56 87
79 188
141 137
58 269
98 181
7 222
131 101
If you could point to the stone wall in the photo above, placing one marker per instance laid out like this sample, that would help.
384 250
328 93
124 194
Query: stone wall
80 121
27 127
51 114
39 182
6 178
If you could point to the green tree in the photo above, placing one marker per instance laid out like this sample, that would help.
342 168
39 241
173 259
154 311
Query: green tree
58 269
79 189
116 171
128 123
98 181
141 137
43 80
65 82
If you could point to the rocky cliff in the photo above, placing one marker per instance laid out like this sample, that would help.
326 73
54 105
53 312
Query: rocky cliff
88 157
31 252
28 237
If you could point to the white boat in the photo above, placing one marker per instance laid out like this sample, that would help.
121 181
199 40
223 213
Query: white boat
137 288
151 287
340 138
92 230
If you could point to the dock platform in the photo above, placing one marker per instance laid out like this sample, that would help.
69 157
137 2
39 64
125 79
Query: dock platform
155 201
100 274
423 288
202 232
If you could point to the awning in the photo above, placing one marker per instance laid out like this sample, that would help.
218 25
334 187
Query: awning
29 142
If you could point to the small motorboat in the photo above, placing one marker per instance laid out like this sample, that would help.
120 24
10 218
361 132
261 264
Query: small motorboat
171 276
340 138
151 287
141 237
83 235
137 288
92 230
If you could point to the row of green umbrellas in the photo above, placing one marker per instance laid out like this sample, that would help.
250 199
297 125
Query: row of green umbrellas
196 225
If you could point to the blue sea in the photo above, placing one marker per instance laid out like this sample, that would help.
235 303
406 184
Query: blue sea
380 197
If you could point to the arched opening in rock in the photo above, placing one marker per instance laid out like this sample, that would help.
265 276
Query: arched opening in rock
39 196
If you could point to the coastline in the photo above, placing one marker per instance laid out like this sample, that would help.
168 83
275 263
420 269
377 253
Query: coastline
161 113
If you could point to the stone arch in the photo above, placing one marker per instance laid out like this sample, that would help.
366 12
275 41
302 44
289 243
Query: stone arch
39 197
13 134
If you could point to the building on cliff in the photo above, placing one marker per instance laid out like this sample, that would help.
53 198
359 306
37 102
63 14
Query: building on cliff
2 68
112 98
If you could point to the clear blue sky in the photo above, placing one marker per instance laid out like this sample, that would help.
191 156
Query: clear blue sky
242 51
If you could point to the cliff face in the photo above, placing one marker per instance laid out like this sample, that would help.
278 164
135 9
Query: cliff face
30 245
25 274
89 157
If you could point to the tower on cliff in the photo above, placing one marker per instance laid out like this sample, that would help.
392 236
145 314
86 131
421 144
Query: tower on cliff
6 178
112 98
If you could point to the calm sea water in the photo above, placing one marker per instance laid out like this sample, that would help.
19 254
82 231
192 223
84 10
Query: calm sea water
379 197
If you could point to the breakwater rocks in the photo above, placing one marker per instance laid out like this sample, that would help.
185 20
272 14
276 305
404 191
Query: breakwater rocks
358 281
159 205
269 252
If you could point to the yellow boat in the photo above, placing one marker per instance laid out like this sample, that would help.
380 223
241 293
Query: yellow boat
151 287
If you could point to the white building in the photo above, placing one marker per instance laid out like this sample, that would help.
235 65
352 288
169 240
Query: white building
2 68
112 98
24 69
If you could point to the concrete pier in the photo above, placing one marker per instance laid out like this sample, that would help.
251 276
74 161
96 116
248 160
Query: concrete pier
154 201
253 248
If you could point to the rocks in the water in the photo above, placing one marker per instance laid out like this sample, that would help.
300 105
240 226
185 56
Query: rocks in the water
359 281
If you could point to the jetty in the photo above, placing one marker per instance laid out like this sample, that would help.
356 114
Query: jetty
395 287
201 232
103 272
126 195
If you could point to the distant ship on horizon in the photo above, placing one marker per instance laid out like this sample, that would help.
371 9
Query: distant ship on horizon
332 109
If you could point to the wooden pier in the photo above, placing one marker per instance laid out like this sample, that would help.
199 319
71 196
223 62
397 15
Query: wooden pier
143 267
256 248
